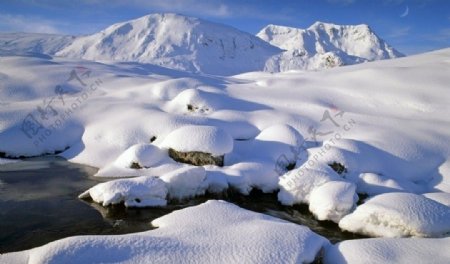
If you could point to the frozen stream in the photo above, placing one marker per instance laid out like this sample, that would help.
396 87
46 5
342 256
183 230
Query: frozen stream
39 204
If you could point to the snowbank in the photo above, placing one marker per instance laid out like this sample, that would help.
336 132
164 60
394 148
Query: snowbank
207 139
333 200
440 197
393 250
213 232
142 191
140 155
399 215
186 182
296 186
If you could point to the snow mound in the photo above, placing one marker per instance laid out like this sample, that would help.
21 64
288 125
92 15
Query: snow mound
186 182
374 184
213 232
333 200
141 191
169 89
281 133
278 141
324 45
399 215
142 155
208 139
296 186
393 250
177 42
440 197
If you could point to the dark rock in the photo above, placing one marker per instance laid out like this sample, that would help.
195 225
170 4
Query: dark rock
135 165
196 158
153 138
338 167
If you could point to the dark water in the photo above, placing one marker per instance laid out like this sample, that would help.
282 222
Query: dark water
39 204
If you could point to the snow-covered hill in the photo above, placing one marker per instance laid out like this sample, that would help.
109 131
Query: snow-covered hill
26 43
195 45
324 45
176 42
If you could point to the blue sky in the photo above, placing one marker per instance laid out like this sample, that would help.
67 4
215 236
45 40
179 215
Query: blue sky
425 26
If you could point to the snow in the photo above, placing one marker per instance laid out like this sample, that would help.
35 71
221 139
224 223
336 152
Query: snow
296 186
191 44
181 182
6 161
145 155
386 122
392 250
177 42
333 200
208 139
186 182
374 184
440 197
399 215
324 45
213 232
144 191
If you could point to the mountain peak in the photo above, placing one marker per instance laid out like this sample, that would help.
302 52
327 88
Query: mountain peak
175 41
326 45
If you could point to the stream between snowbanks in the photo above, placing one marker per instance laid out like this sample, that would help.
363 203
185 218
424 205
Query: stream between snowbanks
39 204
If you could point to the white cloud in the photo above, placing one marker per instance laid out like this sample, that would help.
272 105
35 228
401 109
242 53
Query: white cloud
399 32
19 23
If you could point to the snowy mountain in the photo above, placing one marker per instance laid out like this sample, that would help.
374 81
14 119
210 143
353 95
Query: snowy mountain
195 45
23 43
324 45
176 42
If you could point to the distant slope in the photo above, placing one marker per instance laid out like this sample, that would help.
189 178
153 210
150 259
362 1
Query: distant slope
177 42
324 45
195 45
21 43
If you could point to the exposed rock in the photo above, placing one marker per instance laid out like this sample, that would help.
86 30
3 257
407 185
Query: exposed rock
338 167
196 158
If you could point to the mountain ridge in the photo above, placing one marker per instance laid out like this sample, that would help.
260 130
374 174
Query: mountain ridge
200 46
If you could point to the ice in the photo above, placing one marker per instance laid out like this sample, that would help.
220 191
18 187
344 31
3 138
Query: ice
213 232
399 215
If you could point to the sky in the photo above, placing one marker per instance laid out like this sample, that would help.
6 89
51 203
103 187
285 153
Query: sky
410 26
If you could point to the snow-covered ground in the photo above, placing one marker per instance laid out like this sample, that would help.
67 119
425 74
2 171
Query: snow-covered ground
213 232
383 126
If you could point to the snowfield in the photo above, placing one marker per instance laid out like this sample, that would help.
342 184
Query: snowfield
327 139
